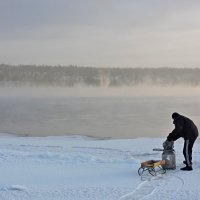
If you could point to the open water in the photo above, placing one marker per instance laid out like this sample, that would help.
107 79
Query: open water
96 116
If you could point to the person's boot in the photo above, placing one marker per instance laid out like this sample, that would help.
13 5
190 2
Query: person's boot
187 168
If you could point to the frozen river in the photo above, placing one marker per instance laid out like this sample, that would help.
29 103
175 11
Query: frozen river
98 116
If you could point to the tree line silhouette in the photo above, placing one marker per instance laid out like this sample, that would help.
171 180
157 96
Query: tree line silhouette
44 75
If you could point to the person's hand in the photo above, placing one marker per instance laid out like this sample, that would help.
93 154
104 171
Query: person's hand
165 143
168 145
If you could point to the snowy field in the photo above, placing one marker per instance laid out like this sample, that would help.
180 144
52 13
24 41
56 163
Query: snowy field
85 168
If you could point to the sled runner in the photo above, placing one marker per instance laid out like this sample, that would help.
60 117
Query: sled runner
154 167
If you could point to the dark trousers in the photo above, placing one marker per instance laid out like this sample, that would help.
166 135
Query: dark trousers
187 151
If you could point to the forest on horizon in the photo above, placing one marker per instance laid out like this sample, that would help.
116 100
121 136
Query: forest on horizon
70 76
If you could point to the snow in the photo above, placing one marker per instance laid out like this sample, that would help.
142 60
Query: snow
81 167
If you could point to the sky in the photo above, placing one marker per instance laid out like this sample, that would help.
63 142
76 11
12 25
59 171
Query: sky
100 33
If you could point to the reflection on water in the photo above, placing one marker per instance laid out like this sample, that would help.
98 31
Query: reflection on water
117 117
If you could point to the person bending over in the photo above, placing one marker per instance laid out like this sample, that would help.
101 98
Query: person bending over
184 127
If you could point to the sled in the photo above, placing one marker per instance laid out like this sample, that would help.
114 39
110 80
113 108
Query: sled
154 167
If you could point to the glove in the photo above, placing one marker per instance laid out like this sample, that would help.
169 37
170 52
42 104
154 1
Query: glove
168 145
165 143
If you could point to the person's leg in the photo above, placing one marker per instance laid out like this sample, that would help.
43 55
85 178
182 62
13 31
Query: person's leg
190 146
184 152
187 152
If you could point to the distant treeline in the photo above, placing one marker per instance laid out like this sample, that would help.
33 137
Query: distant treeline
32 75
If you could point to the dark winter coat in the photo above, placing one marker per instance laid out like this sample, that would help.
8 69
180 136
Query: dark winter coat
184 127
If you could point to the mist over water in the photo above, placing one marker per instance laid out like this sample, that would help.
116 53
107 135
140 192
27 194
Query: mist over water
119 112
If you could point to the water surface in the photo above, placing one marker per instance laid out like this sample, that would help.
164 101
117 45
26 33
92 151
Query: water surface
97 116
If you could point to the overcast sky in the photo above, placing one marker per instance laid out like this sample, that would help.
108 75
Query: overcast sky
101 33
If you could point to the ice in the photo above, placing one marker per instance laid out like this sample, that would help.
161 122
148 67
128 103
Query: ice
77 167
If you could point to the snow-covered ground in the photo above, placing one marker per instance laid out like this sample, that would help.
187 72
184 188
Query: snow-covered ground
78 167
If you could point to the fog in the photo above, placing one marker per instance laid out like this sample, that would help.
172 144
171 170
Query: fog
143 90
118 112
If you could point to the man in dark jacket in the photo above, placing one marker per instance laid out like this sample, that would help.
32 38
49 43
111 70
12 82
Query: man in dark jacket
184 127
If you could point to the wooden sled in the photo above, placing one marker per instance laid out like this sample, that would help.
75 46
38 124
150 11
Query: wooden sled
154 167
